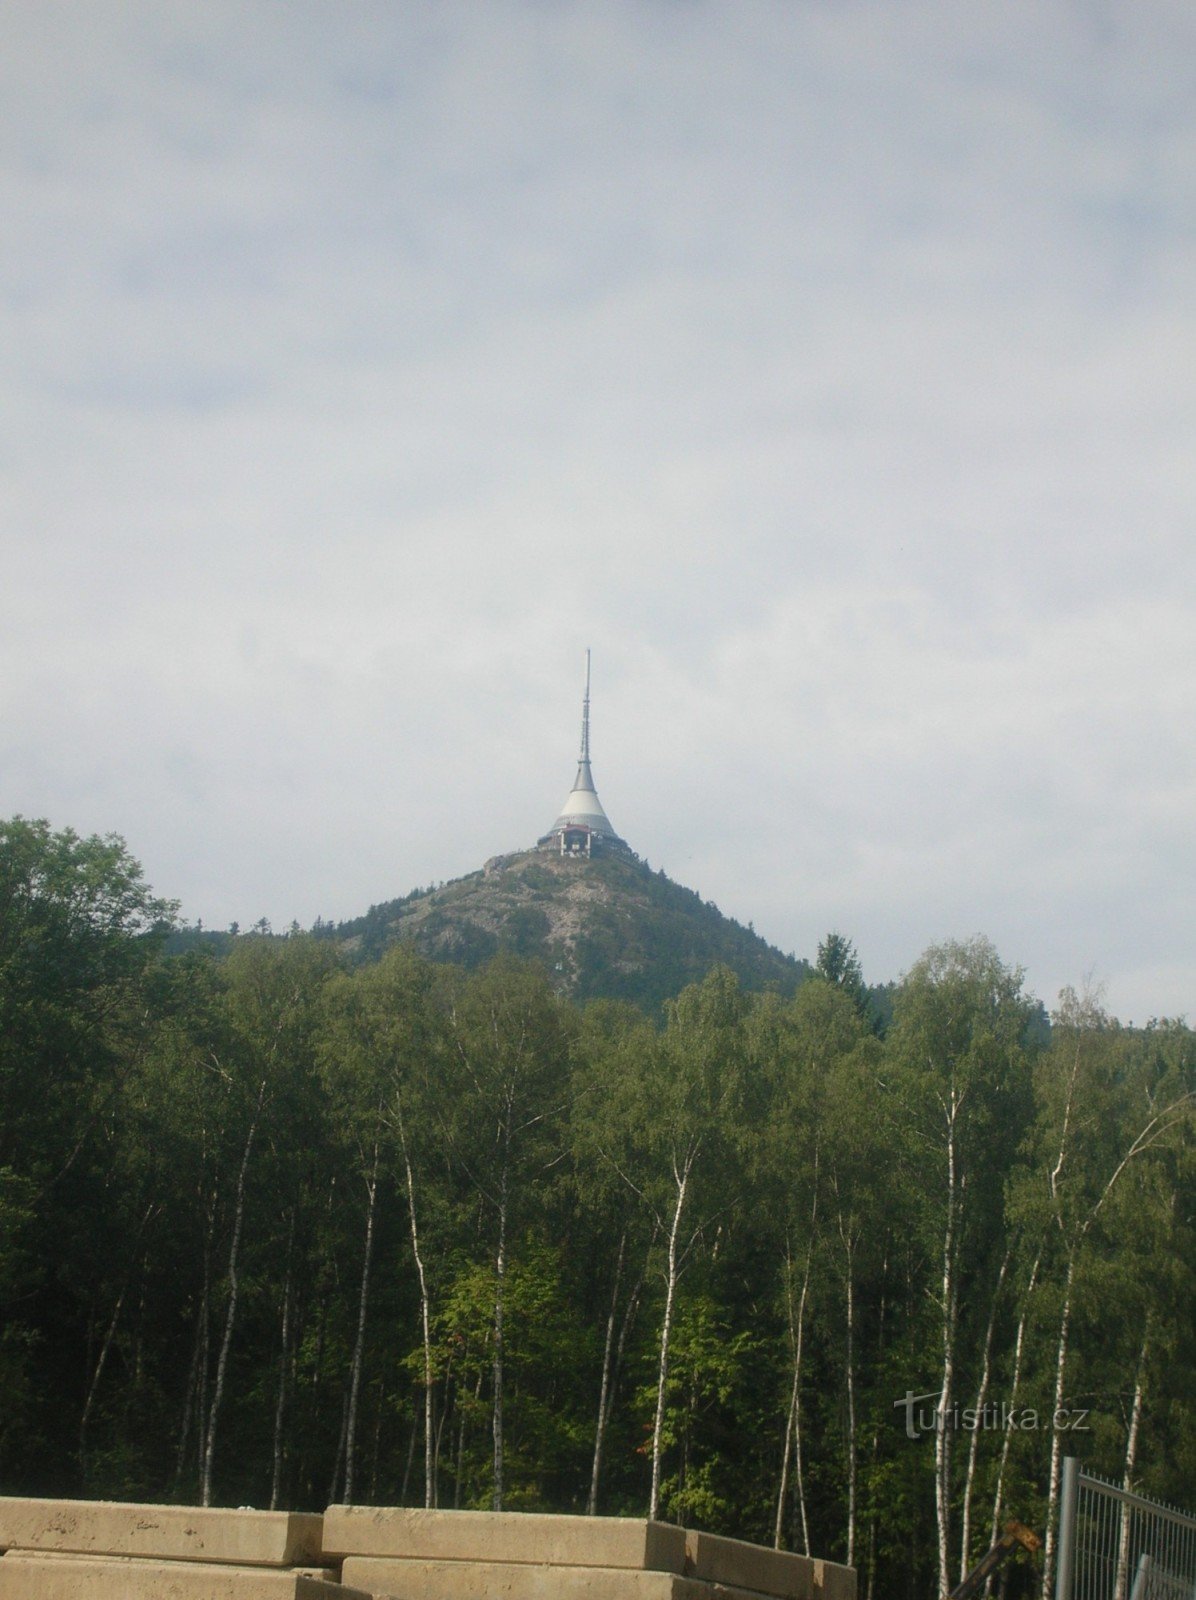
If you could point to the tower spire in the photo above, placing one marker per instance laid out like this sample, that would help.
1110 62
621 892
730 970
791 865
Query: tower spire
582 819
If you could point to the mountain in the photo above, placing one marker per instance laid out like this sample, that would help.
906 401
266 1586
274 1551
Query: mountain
606 926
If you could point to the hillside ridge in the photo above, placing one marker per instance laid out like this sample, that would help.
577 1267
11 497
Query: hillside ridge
606 927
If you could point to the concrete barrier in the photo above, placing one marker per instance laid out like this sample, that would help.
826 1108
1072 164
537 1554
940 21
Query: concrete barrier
833 1582
46 1575
504 1536
390 1576
106 1550
176 1533
749 1566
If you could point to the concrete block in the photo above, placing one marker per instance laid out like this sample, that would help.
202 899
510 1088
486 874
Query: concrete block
504 1536
521 1580
46 1575
107 1527
833 1582
749 1566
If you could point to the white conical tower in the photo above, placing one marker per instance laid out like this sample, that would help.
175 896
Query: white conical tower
582 819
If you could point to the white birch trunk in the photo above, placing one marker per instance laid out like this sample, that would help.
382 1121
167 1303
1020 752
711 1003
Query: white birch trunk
1061 1352
230 1316
425 1321
852 1464
283 1365
682 1181
1019 1346
1127 1477
500 1278
965 1534
942 1434
359 1341
604 1390
793 1426
97 1373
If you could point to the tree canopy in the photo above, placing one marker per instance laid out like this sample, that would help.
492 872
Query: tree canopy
275 1229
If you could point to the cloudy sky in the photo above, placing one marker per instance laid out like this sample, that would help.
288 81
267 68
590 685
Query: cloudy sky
828 366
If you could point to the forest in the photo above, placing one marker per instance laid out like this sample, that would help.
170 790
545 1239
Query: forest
275 1231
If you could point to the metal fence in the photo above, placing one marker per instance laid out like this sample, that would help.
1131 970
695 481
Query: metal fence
1119 1546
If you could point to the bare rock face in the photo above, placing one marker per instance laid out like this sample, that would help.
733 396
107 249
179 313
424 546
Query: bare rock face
605 926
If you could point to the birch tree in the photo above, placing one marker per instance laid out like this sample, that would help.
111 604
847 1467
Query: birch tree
801 1045
383 1054
508 1073
963 1101
272 1007
665 1113
1107 1109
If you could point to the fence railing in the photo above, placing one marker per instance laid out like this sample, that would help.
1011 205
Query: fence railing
1114 1545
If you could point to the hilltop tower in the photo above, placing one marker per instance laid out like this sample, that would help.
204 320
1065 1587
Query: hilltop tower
582 824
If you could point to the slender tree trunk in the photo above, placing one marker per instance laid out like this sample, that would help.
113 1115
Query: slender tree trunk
231 1310
409 1463
190 1399
359 1341
425 1318
682 1180
459 1464
1061 1352
377 1443
450 1399
874 1453
197 1387
461 1432
283 1368
793 1444
1019 1345
500 1280
1131 1442
604 1390
799 1460
195 1400
778 1530
852 1453
106 1346
339 1463
97 1373
626 1324
942 1432
1127 1477
965 1536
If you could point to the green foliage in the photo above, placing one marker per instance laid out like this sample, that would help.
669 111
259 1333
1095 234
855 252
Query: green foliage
708 1390
703 1127
839 964
79 939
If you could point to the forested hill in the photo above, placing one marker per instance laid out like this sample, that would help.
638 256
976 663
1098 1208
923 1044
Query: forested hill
607 928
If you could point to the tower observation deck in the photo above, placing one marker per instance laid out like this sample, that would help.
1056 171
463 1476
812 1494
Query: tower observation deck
582 823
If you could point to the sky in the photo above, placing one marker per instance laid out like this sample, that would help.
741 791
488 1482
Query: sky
828 367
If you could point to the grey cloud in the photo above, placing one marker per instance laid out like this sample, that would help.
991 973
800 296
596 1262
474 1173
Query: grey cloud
827 368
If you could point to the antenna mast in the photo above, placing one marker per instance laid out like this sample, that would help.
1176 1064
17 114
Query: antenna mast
585 715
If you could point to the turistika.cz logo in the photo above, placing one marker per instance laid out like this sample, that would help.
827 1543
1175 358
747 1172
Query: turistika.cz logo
998 1416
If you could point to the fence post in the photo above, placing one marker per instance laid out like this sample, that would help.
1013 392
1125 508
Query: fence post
1141 1577
1066 1559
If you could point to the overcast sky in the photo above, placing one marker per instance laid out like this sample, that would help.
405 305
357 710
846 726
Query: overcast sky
828 366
